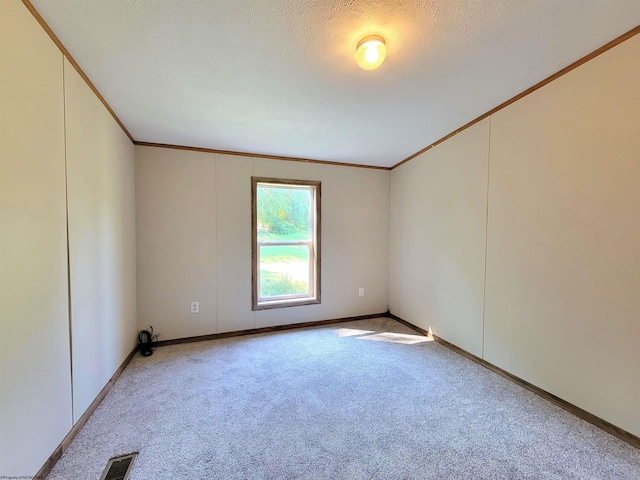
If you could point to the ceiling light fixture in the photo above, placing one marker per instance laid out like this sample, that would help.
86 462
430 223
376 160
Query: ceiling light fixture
370 52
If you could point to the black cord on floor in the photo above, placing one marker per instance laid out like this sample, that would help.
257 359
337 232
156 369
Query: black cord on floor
146 342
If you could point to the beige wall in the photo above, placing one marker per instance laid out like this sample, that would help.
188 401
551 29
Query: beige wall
563 262
176 223
35 374
102 247
438 230
563 237
39 92
194 241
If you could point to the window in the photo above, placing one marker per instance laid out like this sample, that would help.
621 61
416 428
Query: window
286 242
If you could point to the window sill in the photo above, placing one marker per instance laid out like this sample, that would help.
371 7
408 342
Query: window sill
297 302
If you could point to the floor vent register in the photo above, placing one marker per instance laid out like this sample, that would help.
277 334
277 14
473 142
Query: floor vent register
118 468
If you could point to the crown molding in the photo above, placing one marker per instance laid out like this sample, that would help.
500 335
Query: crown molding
258 155
75 65
617 41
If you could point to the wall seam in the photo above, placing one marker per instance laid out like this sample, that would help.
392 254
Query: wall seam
215 194
486 241
66 203
389 248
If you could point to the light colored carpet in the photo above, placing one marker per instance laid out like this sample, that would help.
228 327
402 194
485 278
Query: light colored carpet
344 401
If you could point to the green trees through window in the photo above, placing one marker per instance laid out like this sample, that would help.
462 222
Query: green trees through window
283 211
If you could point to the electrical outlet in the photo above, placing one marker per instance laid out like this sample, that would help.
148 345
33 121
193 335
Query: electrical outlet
361 292
195 307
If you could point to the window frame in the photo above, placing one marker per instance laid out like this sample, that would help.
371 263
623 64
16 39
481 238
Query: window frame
314 247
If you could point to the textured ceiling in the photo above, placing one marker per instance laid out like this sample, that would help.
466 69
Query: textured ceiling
278 77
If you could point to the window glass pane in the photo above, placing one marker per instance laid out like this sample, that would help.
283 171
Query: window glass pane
284 214
284 270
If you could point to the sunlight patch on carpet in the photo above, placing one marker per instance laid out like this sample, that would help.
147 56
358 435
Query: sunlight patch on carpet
352 332
391 337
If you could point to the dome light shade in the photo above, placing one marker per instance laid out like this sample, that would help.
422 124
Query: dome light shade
370 52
